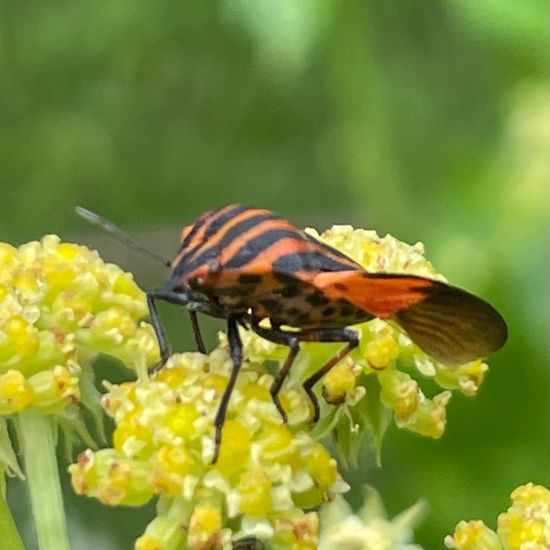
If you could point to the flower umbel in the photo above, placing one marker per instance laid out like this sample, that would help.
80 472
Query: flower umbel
525 526
266 475
60 306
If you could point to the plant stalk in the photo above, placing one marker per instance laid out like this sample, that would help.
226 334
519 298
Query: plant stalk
10 536
36 435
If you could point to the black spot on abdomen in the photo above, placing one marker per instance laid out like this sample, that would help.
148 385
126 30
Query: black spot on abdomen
249 278
317 299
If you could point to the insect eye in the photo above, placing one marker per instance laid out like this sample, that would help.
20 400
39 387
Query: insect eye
196 282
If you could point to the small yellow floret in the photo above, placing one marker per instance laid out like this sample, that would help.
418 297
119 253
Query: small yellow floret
430 417
163 533
20 340
132 432
235 447
400 392
125 284
322 467
255 391
473 535
381 350
180 420
531 494
67 250
15 393
205 528
172 463
216 382
276 438
172 376
255 492
54 389
527 521
148 542
7 254
339 382
299 533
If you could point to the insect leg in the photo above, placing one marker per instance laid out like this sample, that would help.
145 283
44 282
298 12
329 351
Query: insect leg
172 298
236 353
197 332
158 328
327 335
290 339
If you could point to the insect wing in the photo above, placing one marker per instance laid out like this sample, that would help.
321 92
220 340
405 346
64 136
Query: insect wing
453 325
379 294
448 323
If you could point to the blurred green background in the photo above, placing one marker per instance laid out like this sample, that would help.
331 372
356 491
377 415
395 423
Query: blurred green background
427 119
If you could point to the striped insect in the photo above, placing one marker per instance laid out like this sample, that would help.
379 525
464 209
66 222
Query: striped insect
247 264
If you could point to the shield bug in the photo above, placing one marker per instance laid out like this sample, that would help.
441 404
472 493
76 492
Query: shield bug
247 264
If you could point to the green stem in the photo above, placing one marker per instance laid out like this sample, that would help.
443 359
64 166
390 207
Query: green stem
36 435
10 536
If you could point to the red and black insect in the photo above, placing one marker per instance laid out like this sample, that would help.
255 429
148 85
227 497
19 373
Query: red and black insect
247 264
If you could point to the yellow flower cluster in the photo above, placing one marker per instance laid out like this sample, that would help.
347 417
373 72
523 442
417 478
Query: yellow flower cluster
60 304
385 351
525 526
267 472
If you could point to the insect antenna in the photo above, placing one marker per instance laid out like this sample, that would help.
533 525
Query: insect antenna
117 233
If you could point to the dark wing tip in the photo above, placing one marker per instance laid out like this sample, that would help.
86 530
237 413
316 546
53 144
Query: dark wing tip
454 326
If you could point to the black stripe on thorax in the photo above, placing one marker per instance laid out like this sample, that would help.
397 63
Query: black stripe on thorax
214 220
329 249
258 244
309 261
188 265
196 226
218 222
